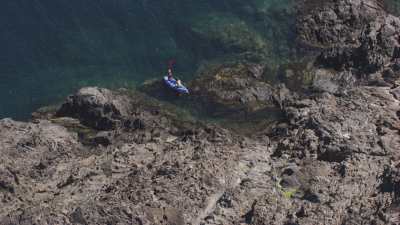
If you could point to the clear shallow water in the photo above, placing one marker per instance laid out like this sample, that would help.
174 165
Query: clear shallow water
50 48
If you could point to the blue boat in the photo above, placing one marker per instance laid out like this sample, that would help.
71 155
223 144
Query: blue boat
173 84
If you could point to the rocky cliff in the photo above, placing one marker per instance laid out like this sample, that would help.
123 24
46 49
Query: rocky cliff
124 157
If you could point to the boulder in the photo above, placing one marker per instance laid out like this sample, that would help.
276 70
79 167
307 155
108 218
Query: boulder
96 107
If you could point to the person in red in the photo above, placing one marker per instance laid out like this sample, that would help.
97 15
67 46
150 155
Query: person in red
169 74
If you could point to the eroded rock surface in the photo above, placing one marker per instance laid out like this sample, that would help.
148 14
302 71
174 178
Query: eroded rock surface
357 35
355 137
325 24
332 160
96 107
159 173
233 88
122 157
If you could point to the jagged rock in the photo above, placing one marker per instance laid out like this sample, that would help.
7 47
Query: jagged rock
332 159
102 138
354 34
233 88
330 23
159 169
378 48
123 179
158 89
7 180
96 107
301 76
334 119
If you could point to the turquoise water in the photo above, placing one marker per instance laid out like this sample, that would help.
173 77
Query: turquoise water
50 48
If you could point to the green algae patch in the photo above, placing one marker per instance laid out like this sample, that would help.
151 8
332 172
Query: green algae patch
289 193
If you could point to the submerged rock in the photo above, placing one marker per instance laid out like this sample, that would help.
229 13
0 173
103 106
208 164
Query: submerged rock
233 88
219 34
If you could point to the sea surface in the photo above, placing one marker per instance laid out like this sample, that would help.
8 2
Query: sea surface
51 48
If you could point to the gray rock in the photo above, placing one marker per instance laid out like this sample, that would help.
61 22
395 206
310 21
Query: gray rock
335 156
228 89
96 107
332 159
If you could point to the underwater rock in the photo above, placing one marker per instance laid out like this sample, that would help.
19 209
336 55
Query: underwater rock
224 34
233 88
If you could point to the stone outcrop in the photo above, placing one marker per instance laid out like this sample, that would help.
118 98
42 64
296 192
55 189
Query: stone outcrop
233 88
326 24
356 35
96 107
329 157
122 157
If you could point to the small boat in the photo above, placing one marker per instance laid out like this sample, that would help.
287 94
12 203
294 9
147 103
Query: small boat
173 84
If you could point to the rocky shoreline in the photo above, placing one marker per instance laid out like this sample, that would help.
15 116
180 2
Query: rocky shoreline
129 157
